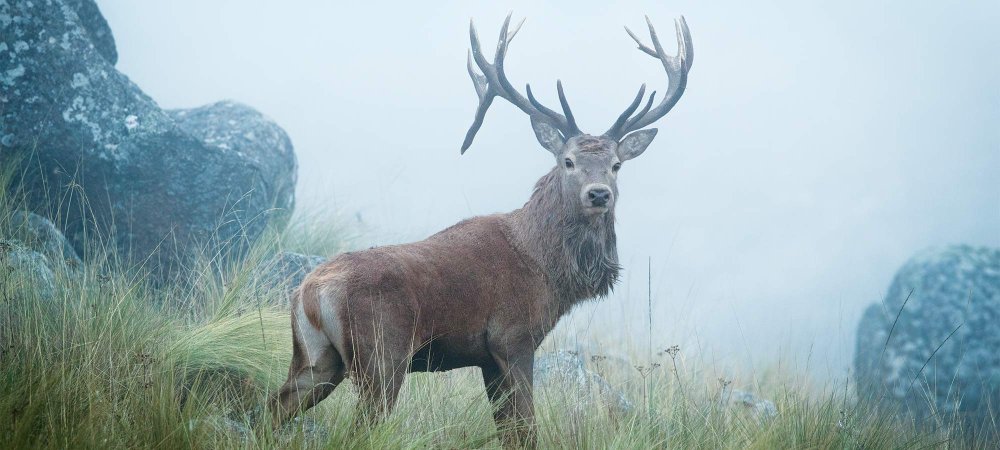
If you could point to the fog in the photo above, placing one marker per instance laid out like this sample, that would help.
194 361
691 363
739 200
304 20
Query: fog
816 149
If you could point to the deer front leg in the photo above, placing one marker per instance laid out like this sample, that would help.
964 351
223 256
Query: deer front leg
509 387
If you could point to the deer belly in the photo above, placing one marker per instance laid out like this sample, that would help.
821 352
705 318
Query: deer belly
450 352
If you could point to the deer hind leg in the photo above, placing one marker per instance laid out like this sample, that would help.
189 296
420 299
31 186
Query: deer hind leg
378 374
316 370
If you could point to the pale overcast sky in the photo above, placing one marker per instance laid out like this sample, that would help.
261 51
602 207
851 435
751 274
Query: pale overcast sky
818 146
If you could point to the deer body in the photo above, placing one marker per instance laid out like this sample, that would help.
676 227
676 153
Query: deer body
437 304
486 291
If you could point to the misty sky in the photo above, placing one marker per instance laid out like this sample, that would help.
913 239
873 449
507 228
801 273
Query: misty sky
815 150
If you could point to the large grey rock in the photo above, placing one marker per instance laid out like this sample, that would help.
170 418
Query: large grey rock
162 184
562 376
40 235
23 270
953 288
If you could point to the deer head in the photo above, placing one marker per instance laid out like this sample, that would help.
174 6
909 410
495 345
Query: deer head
589 163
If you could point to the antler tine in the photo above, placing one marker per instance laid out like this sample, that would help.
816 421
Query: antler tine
570 129
684 35
570 120
484 104
564 123
494 83
481 83
504 88
644 109
478 81
642 46
510 36
676 67
477 52
502 45
540 107
627 113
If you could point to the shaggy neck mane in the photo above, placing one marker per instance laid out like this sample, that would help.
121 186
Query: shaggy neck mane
578 253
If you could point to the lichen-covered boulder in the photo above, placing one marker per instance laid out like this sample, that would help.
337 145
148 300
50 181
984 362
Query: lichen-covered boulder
284 272
40 235
954 300
163 185
562 376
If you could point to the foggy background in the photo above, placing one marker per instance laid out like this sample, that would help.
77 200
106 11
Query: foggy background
815 150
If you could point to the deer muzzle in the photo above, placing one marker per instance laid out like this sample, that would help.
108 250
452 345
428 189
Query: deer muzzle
597 198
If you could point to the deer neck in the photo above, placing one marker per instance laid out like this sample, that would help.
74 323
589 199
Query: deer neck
578 253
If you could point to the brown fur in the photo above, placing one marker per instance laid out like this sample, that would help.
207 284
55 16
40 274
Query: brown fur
591 144
311 308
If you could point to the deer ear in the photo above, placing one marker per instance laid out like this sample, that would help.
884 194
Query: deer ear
635 143
547 134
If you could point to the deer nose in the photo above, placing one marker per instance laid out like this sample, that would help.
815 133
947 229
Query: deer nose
599 196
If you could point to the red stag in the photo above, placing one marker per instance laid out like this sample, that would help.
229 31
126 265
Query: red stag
487 290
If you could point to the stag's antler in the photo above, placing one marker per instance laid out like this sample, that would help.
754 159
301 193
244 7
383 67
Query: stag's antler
677 68
493 83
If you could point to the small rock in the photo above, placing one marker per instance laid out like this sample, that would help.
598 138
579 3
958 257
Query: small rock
760 408
40 235
25 269
241 426
286 270
234 426
564 373
311 429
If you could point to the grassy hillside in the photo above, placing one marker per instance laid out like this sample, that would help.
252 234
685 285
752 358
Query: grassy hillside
108 361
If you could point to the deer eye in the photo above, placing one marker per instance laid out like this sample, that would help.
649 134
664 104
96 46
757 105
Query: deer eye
615 167
568 163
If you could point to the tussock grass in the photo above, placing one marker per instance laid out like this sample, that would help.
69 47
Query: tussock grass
110 361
